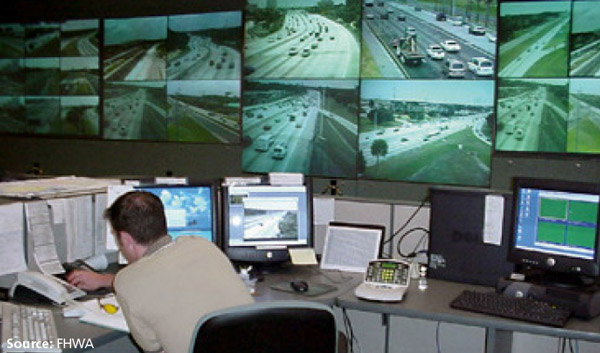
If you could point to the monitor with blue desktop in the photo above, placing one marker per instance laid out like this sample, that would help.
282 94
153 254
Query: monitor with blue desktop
260 222
555 229
190 209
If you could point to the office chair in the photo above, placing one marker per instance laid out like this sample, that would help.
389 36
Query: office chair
268 327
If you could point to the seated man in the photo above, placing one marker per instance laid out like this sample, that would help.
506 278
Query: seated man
168 285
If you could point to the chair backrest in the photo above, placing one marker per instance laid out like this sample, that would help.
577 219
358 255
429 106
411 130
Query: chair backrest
270 327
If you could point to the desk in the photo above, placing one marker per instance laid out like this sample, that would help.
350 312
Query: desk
431 304
434 304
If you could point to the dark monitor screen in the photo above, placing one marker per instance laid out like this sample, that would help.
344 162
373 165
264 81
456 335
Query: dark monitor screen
189 209
555 226
262 221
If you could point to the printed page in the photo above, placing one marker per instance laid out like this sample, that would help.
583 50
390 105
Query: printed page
39 230
350 249
12 248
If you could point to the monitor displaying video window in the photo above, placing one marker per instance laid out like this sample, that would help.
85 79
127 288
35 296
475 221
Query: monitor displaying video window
426 131
302 39
260 222
173 78
306 126
50 78
548 101
427 40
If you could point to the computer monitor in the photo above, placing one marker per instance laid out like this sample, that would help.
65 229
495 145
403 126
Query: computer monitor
190 209
260 222
555 228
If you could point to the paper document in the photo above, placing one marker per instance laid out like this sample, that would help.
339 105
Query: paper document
54 187
493 219
350 249
12 249
95 315
99 224
72 222
41 237
303 256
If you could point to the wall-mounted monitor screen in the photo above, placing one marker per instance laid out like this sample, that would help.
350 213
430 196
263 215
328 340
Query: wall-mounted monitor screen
548 99
190 209
417 39
173 78
302 39
50 78
426 131
304 126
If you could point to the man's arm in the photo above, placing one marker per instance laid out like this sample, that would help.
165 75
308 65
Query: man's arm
89 281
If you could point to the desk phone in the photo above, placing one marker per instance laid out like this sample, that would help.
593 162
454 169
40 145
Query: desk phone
385 280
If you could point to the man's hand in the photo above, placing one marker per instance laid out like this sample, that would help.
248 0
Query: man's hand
89 281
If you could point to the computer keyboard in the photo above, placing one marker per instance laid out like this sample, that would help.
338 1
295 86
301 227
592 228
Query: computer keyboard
26 329
513 308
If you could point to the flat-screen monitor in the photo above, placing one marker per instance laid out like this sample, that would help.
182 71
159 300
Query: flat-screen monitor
555 226
190 209
260 222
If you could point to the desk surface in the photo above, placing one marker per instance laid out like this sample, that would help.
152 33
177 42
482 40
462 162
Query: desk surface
431 304
434 304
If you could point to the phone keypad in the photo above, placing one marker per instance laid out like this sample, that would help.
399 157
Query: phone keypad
392 273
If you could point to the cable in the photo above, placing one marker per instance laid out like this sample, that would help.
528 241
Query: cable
437 337
414 252
414 214
350 333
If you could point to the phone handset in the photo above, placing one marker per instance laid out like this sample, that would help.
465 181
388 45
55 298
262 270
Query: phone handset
385 280
51 287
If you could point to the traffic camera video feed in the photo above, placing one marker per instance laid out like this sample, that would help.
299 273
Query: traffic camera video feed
426 131
50 78
300 39
267 216
173 78
534 39
307 127
427 40
532 115
547 102
585 39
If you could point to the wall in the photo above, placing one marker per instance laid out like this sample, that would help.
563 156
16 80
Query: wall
130 158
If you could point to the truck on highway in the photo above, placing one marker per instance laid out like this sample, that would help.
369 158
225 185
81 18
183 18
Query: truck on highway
407 51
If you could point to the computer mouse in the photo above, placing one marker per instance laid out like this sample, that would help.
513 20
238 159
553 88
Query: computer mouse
299 285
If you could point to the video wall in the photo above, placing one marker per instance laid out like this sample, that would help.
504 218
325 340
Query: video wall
403 90
161 78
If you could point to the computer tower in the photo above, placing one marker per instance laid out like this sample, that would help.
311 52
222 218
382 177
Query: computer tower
457 251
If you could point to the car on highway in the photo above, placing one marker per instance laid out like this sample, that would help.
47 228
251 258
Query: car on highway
491 37
456 21
314 45
451 46
263 142
305 52
435 52
481 66
401 18
267 127
293 51
410 32
455 68
477 30
280 150
440 16
370 16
